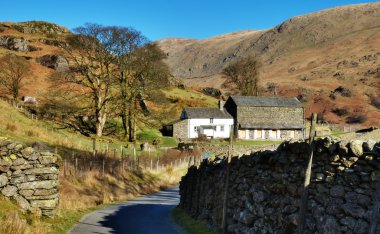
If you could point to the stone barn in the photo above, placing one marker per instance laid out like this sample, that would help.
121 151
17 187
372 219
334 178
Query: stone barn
266 118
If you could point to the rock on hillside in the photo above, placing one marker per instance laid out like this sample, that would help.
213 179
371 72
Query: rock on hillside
16 44
55 62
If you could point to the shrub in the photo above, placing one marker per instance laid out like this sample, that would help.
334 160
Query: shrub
341 111
345 92
332 96
375 101
11 127
52 35
321 117
156 142
31 133
356 119
201 138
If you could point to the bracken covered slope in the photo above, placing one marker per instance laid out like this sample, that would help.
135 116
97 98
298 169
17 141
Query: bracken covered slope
308 56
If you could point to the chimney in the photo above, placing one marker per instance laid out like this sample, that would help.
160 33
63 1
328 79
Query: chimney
220 104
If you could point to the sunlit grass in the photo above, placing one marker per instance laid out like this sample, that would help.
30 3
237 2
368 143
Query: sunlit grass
190 225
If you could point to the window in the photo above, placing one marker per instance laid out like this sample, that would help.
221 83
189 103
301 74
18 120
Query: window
195 129
211 120
222 128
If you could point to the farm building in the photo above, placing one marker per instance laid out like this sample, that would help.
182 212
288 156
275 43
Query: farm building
266 118
210 122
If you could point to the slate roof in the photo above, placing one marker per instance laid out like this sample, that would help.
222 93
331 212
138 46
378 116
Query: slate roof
206 113
266 101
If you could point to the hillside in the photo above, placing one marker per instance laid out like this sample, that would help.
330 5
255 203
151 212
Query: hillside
32 40
40 44
308 56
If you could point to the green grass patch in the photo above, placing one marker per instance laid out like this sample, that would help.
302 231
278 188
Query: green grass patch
337 133
245 142
189 224
256 143
168 142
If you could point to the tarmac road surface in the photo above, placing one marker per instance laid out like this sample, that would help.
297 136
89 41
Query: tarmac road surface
148 214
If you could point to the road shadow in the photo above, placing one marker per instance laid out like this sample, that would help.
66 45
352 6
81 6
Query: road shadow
141 219
149 214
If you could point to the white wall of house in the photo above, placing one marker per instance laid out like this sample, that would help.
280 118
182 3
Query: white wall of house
222 127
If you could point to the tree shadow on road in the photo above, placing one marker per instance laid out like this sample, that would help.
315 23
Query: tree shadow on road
141 218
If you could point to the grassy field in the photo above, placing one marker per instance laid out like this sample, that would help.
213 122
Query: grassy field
190 225
191 97
17 126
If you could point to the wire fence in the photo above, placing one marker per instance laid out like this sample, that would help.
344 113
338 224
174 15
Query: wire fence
105 164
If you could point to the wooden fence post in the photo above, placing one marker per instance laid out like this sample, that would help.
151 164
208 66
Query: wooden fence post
303 205
76 164
64 167
103 167
94 147
226 184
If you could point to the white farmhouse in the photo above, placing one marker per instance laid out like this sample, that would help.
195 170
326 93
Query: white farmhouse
197 121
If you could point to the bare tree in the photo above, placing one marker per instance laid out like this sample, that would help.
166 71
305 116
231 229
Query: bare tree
14 70
112 69
141 72
91 60
245 74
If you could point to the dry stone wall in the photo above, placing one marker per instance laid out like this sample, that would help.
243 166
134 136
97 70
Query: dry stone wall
29 177
265 189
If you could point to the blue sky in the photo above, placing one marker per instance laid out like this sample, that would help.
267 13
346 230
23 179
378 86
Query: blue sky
158 19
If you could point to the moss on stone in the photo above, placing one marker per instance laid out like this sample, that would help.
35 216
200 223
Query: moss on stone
13 156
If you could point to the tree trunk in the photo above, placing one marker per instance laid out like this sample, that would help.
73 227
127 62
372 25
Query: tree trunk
124 118
100 122
124 95
130 133
100 115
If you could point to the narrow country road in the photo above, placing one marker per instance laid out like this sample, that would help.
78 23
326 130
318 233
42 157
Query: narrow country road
144 215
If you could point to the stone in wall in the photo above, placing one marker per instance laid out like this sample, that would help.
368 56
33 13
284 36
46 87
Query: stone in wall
265 188
29 177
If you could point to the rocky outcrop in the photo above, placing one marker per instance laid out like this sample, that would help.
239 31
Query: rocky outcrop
39 27
16 44
211 91
55 62
53 42
29 177
265 188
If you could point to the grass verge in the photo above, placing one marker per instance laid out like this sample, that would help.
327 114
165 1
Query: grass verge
245 142
190 225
